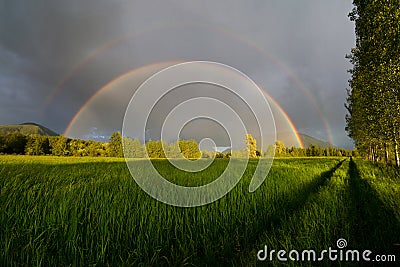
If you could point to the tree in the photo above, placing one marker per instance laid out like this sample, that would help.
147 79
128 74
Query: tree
251 146
133 148
3 146
173 150
37 145
280 149
219 155
138 148
95 149
60 146
189 149
373 102
270 151
14 143
114 148
76 147
155 149
128 147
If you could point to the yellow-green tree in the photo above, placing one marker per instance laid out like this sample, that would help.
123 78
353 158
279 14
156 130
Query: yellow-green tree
373 102
114 148
280 149
251 146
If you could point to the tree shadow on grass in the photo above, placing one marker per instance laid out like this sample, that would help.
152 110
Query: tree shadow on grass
298 199
374 226
275 221
68 174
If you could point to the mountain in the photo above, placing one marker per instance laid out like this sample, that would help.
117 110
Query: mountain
289 140
308 141
26 129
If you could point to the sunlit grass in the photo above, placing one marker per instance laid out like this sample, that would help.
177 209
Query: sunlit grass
84 211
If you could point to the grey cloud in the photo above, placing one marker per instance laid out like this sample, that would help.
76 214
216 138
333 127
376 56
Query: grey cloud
40 41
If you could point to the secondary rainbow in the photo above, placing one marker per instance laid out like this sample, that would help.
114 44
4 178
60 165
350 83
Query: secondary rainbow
160 64
103 48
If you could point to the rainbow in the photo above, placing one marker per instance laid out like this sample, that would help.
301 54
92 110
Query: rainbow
98 51
286 116
109 85
92 55
291 76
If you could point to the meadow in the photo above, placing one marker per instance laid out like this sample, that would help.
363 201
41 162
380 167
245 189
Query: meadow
58 211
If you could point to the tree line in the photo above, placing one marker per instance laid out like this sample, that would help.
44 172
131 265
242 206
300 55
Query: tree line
16 143
312 151
373 102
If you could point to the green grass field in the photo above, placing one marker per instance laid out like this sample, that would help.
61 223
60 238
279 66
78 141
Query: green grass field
89 211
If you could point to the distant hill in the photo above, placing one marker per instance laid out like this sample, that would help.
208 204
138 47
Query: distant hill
288 140
26 129
308 141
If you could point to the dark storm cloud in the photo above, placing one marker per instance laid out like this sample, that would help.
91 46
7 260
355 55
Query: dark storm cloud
40 41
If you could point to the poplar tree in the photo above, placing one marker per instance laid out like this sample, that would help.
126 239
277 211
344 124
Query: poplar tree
373 102
251 146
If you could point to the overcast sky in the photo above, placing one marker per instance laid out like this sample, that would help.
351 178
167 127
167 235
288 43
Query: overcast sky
295 50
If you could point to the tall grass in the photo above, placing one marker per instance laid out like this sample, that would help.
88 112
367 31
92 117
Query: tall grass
57 211
376 196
